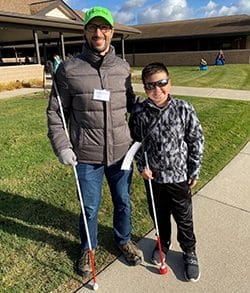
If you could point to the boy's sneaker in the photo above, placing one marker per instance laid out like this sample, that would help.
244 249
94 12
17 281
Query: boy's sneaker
84 266
191 267
156 253
132 253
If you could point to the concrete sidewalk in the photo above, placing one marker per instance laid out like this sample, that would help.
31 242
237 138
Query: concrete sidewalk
204 92
222 225
176 90
20 92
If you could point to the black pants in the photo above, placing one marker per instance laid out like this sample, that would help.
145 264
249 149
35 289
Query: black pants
175 199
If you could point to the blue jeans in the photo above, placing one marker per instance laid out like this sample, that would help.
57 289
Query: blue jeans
91 181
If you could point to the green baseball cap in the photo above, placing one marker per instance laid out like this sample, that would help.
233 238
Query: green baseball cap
98 11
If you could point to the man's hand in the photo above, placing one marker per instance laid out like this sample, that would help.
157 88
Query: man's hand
67 157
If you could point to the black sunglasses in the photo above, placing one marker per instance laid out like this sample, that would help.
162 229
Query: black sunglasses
92 27
153 85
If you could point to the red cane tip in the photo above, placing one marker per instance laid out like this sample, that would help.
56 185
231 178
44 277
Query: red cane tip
163 270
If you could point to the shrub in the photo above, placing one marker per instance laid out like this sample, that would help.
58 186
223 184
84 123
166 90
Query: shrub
20 84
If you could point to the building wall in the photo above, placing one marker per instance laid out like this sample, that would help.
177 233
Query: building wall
189 58
22 73
248 42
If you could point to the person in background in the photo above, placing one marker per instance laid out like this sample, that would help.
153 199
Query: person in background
203 64
220 58
56 63
96 93
173 140
27 60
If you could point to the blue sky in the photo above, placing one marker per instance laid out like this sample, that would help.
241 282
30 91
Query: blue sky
132 12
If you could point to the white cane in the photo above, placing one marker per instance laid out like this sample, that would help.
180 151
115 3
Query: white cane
163 268
91 254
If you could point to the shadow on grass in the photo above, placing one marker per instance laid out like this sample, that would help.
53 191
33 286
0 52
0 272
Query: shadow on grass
31 219
37 212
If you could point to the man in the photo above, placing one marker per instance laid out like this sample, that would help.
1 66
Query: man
96 93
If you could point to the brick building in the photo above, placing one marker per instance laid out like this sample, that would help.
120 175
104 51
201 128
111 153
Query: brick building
186 42
32 31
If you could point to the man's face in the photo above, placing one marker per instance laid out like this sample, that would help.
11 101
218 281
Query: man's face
98 34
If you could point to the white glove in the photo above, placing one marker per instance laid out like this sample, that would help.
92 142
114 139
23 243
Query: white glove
67 157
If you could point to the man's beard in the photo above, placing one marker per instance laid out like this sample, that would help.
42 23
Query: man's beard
98 50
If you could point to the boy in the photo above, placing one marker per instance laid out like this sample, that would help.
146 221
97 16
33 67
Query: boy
172 137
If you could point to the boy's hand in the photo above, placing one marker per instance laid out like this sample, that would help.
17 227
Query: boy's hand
147 174
192 182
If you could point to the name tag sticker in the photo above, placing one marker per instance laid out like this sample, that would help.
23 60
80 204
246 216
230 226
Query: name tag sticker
101 95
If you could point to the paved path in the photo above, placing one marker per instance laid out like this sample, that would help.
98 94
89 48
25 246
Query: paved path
205 92
176 90
222 225
19 92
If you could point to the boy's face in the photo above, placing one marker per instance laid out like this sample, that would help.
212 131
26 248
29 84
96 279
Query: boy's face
157 87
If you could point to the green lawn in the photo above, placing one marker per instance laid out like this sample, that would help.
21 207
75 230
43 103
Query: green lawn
38 204
230 76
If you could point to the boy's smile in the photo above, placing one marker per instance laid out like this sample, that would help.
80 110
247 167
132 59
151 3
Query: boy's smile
160 86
